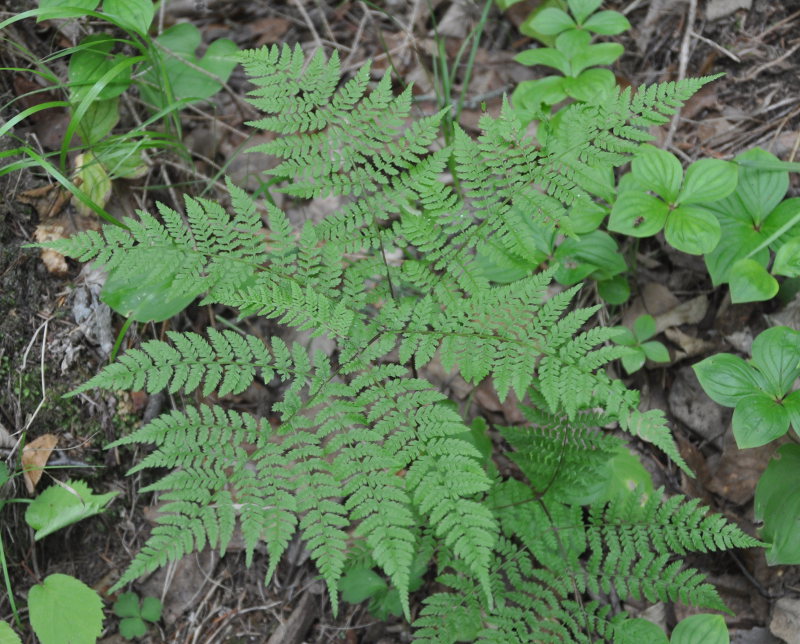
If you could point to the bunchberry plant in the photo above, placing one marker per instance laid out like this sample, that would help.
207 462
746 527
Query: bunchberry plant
572 53
678 208
757 224
760 391
641 347
766 405
366 454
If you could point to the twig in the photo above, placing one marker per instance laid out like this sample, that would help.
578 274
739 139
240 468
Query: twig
309 24
683 63
770 63
716 46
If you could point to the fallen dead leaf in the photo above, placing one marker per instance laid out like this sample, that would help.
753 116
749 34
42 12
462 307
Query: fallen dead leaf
689 345
34 457
53 261
48 200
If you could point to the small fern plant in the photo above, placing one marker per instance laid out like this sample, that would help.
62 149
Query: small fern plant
366 454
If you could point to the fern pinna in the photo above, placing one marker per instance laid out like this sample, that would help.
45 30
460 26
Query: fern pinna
367 455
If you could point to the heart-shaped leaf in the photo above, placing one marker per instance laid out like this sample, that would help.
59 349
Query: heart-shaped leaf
758 419
64 610
692 229
659 170
708 180
750 282
705 628
637 214
726 378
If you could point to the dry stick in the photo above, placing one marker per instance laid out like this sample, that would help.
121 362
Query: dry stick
770 63
683 63
357 39
778 24
309 24
717 46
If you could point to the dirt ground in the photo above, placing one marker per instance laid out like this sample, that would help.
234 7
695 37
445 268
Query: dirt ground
54 333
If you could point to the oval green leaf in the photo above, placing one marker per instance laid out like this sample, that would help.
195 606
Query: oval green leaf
135 15
582 9
607 23
644 327
544 56
64 610
638 214
708 629
655 351
759 191
750 282
693 230
758 419
615 291
776 353
7 634
659 170
787 259
777 504
601 54
552 21
590 85
726 378
708 180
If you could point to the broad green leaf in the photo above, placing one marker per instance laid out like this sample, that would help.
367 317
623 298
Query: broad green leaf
708 180
627 475
701 629
532 94
777 504
526 27
88 64
64 610
98 120
122 158
572 42
583 218
597 250
132 627
53 5
634 360
615 291
151 609
638 214
787 259
740 239
659 170
600 54
636 631
625 337
759 191
180 43
776 353
590 85
644 327
360 584
582 9
750 282
792 405
147 297
62 505
127 605
7 634
727 378
552 21
783 221
692 229
607 23
135 15
655 351
544 56
758 419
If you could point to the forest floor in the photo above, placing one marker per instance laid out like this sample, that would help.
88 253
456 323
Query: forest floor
54 333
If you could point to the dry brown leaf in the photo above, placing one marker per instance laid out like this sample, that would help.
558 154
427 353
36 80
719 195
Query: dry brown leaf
53 261
269 30
34 457
48 200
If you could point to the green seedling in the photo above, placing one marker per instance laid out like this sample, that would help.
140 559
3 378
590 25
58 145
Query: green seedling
679 207
573 55
757 223
777 505
760 391
706 628
135 613
63 504
640 345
